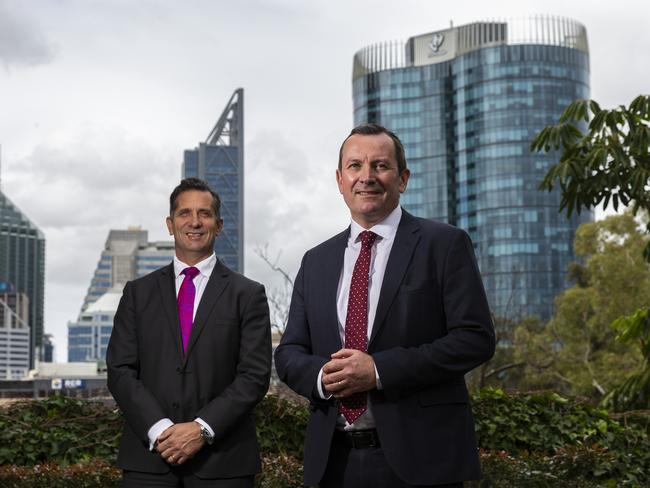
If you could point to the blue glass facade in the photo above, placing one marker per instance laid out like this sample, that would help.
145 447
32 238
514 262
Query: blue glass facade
220 162
22 263
221 170
467 122
88 337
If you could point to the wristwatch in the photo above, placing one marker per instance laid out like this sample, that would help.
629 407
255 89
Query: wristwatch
205 434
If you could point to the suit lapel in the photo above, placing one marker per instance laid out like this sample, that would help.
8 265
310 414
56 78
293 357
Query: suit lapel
406 239
331 274
217 283
168 293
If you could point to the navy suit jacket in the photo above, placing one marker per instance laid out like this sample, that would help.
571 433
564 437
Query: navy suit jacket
432 326
222 376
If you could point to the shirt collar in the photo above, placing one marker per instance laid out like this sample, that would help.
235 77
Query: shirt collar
205 267
385 229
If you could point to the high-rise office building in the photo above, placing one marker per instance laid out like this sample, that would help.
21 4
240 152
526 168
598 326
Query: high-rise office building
467 101
127 255
88 337
22 263
14 333
220 162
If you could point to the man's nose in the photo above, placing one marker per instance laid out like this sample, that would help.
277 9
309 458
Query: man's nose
196 221
368 173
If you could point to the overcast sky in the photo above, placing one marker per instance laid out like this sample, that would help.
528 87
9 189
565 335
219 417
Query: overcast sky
98 100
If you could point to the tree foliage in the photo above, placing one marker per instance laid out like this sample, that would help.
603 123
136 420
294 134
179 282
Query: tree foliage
604 156
577 352
634 392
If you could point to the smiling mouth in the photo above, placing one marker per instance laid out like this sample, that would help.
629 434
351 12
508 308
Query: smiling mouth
194 235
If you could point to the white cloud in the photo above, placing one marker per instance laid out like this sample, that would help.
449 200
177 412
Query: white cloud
21 41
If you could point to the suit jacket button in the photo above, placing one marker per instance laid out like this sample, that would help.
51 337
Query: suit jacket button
175 405
179 370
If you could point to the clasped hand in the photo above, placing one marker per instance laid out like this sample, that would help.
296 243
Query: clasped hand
349 371
180 442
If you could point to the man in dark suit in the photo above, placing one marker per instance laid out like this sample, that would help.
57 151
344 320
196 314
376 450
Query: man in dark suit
386 318
188 359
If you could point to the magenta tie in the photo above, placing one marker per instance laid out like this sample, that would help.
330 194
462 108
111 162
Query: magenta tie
356 321
186 296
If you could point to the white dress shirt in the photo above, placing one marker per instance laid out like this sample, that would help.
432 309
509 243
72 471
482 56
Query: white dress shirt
200 281
385 230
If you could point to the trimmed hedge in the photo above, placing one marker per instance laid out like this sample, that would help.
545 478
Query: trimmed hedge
532 440
277 472
53 475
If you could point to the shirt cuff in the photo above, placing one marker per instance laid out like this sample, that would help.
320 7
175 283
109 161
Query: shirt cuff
157 429
205 424
377 380
319 386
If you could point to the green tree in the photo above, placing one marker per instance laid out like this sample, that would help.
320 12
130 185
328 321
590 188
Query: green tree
634 392
576 352
607 163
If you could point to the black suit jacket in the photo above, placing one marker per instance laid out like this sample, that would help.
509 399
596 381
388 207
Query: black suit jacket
223 375
432 326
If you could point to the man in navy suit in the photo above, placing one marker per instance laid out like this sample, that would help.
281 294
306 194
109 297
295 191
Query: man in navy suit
189 358
386 319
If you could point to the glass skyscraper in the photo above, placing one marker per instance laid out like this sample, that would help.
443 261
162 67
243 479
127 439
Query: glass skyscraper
467 101
220 162
22 264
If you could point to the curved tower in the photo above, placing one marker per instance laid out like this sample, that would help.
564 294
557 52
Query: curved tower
467 101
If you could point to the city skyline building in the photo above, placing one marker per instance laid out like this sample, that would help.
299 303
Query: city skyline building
127 255
466 101
220 162
22 264
88 337
14 333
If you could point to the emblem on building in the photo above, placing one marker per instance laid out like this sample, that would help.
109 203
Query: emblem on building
436 43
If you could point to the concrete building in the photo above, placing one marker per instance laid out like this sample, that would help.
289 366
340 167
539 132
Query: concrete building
220 162
22 263
467 101
127 255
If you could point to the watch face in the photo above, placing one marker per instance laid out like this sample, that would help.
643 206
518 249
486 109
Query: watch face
206 435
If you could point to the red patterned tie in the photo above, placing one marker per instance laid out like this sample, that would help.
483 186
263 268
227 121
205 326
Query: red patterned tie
186 296
356 321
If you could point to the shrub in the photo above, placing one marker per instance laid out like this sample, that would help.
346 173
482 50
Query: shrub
527 440
560 438
93 474
281 426
279 471
58 429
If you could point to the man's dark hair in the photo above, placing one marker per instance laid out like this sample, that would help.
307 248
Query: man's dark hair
194 184
373 130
